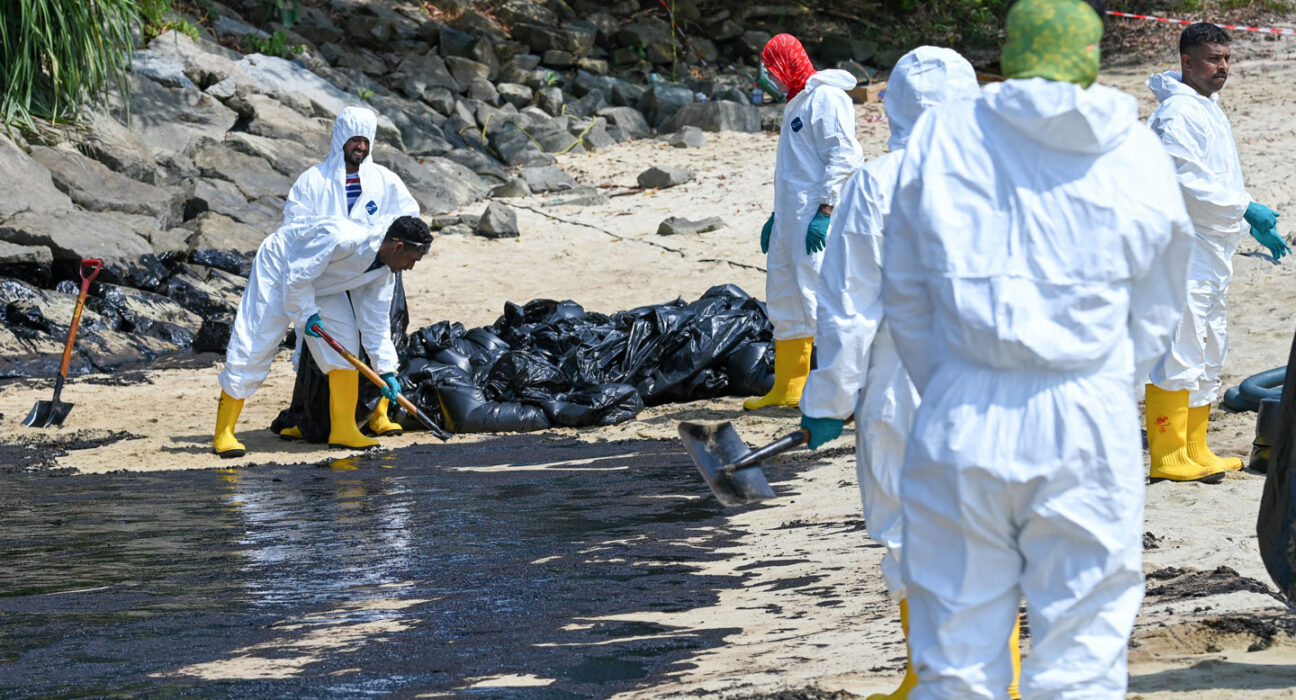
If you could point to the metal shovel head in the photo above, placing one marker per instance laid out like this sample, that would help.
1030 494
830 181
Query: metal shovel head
712 447
47 413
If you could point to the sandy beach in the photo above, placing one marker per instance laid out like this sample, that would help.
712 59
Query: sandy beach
1201 556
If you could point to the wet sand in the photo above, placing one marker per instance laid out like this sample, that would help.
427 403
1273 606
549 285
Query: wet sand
812 609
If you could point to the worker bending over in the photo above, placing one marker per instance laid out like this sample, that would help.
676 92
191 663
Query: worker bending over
1195 131
817 151
859 370
349 184
334 273
1034 268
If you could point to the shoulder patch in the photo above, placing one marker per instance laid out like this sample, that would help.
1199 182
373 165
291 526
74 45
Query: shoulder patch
797 124
371 207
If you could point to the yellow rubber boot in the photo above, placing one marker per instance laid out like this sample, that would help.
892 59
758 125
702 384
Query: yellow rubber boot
380 424
910 679
344 389
1014 649
227 415
791 367
1167 431
294 434
1198 451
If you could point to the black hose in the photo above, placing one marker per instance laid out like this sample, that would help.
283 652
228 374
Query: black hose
1247 395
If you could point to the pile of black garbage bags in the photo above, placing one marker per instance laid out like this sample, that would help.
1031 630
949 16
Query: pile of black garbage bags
554 364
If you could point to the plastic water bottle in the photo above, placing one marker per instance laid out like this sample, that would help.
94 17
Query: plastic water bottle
758 97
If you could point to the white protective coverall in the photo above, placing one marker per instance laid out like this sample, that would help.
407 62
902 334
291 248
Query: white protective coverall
817 152
1198 135
1034 267
305 268
321 190
859 369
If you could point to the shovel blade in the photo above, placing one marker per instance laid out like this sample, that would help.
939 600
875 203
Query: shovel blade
712 446
47 413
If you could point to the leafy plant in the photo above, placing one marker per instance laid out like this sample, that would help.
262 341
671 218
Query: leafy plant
276 45
288 12
55 55
364 93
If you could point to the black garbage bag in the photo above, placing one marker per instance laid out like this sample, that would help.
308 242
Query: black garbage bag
465 408
1276 523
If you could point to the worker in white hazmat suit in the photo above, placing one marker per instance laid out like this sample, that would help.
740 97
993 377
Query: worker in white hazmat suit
1034 268
817 152
331 272
859 370
351 185
1198 135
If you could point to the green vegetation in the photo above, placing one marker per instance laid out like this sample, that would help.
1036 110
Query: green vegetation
55 55
286 12
276 45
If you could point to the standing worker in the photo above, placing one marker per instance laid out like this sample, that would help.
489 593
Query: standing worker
1198 135
859 370
1035 267
334 273
350 185
817 152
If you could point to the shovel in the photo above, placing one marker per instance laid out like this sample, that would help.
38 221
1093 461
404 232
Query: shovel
47 413
730 468
372 376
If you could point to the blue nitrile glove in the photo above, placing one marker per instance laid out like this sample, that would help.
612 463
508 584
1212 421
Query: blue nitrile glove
765 233
392 390
817 234
1261 217
1271 240
310 324
822 430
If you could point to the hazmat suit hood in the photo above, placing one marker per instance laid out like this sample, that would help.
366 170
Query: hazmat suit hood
1170 83
922 78
1063 116
832 77
352 122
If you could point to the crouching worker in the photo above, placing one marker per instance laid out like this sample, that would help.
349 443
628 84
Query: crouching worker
329 272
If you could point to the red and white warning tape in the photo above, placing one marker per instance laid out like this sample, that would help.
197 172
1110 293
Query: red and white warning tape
1238 27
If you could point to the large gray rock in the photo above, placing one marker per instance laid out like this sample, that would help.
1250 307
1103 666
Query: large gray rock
629 120
546 179
30 186
276 76
592 133
716 116
659 176
420 126
164 69
12 254
117 239
550 99
437 184
498 221
478 162
171 121
150 314
269 117
467 70
580 36
252 175
205 62
224 197
677 225
93 186
212 231
206 291
687 137
517 95
516 187
290 158
661 102
109 141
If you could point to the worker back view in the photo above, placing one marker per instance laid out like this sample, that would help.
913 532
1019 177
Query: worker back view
1034 268
817 152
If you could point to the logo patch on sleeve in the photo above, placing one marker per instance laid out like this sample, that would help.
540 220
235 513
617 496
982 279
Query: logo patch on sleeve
371 207
797 124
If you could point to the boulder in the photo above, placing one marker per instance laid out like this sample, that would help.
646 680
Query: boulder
580 36
661 102
466 70
150 314
677 225
517 95
628 119
752 42
91 185
251 174
277 76
290 158
687 137
546 179
627 94
109 141
437 184
166 70
540 37
498 221
587 106
12 254
550 99
214 336
478 162
31 188
269 117
457 230
213 231
514 11
661 176
117 239
204 61
558 58
592 133
224 197
171 121
206 291
483 90
517 187
420 126
716 116
441 99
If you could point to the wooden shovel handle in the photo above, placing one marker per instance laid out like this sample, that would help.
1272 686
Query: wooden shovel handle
94 266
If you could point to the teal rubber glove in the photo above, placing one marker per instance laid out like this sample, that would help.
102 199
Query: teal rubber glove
1261 217
310 325
393 388
817 234
1271 240
822 430
766 230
